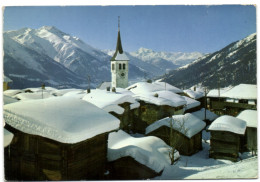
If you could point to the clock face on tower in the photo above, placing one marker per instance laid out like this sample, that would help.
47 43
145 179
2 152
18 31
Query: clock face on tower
122 74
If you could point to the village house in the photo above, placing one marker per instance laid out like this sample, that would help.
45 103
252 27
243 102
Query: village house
186 131
250 116
133 158
235 100
121 104
196 93
227 138
206 116
192 105
59 138
6 83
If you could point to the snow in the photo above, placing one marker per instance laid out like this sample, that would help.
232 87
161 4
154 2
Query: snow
6 79
8 137
250 116
229 123
9 100
134 105
187 124
242 91
214 92
209 115
61 92
164 98
194 94
104 85
149 151
63 119
191 103
35 95
109 100
79 94
144 87
121 57
12 92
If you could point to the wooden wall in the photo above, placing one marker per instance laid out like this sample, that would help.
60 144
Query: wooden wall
31 157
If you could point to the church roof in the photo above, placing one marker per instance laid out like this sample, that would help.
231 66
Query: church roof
119 53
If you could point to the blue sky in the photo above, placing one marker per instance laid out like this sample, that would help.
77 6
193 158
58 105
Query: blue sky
161 28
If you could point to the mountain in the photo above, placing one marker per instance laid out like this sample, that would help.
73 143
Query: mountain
232 65
33 48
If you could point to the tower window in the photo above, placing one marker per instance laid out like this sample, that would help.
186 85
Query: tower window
120 66
113 66
124 66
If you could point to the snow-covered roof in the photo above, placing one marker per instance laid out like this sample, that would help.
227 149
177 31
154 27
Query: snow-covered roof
121 57
228 123
144 87
242 91
168 87
109 100
12 92
187 124
63 119
250 116
61 92
191 103
7 80
75 93
149 151
32 96
209 115
194 94
214 92
164 98
8 137
104 85
39 89
9 100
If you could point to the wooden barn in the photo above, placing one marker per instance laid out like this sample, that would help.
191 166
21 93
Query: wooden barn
196 93
133 158
120 104
192 105
227 137
184 132
250 116
58 138
233 101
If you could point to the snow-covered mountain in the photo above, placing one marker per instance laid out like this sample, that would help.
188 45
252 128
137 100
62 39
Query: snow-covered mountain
232 65
27 46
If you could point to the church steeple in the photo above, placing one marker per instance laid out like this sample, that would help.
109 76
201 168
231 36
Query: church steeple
119 48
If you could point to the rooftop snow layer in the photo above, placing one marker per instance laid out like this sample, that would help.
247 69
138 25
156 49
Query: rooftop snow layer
250 116
242 91
108 100
191 103
6 79
149 151
33 96
8 137
209 115
145 87
61 92
12 92
228 123
214 92
164 98
194 94
63 119
9 100
187 124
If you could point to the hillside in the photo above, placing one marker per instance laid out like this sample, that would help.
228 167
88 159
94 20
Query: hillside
232 65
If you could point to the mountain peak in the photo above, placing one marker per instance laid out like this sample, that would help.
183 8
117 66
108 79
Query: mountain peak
142 49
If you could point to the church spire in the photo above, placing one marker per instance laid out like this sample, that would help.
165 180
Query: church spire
119 48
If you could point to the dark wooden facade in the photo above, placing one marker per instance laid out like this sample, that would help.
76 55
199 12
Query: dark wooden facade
225 145
126 168
251 139
185 146
31 157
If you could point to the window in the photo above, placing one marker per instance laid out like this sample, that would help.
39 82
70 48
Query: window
113 66
120 66
124 66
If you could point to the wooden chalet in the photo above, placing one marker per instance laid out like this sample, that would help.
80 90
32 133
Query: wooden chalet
233 101
55 139
250 116
227 138
186 132
135 158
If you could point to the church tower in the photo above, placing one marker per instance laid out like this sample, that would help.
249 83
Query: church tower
119 64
